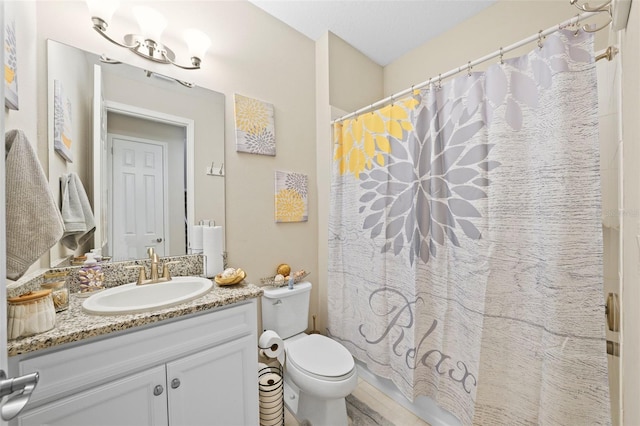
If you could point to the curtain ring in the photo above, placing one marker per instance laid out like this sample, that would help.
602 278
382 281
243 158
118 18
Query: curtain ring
540 39
439 86
501 57
391 100
469 69
371 109
575 34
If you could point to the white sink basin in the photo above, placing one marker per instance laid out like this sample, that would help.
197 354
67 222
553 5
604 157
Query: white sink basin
132 298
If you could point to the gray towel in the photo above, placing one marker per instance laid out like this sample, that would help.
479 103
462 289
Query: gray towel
79 223
34 223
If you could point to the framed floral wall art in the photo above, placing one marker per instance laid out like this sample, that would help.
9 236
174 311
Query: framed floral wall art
291 197
62 137
255 128
10 66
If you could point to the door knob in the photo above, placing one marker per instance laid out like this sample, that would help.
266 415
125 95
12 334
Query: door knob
175 383
158 390
22 386
612 310
158 240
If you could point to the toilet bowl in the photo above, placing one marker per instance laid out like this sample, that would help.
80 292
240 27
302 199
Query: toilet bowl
318 371
320 366
319 374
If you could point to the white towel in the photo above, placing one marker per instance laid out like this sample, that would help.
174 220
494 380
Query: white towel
79 223
34 223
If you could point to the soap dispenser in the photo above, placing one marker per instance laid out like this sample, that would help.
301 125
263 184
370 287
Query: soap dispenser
91 275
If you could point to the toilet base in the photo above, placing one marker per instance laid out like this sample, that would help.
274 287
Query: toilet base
319 412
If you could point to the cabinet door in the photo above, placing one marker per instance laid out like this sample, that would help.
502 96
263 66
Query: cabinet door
218 386
128 401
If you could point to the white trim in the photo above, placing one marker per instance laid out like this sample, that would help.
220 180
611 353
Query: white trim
189 126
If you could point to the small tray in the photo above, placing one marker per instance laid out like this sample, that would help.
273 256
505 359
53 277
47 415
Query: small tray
271 281
219 280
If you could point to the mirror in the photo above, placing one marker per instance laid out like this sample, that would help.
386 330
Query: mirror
141 164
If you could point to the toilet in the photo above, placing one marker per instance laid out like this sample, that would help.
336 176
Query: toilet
318 371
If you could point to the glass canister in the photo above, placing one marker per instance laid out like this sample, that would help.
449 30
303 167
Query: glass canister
57 283
30 314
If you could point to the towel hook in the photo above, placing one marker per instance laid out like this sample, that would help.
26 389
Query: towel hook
587 8
219 172
606 9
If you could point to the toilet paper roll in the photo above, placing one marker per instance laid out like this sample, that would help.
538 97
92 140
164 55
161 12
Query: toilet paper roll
271 344
196 239
271 394
212 241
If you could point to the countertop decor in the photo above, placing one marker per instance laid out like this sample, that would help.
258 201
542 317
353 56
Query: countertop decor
74 324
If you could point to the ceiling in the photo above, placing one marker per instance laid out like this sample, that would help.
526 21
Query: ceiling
383 30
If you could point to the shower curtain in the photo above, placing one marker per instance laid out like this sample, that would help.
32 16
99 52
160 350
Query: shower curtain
465 247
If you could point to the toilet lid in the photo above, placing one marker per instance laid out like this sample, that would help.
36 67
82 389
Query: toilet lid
321 355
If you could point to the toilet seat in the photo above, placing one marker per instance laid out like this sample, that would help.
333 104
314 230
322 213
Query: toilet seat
320 357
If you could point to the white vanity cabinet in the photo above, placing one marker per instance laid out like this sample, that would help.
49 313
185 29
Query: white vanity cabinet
199 370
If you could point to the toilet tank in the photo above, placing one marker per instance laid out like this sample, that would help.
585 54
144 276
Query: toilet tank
286 311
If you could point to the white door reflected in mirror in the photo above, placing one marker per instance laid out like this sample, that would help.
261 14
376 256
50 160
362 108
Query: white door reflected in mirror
139 200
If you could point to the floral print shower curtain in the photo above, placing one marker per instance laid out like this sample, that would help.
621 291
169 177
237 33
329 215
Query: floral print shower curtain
465 248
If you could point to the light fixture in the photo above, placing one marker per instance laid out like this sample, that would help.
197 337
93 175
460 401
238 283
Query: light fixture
147 44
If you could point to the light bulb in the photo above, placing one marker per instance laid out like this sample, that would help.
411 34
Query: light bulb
151 22
197 42
103 9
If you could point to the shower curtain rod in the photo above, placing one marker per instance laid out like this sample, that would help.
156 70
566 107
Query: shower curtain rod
538 36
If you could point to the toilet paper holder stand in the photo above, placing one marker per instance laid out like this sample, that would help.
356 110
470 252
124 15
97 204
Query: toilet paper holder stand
271 394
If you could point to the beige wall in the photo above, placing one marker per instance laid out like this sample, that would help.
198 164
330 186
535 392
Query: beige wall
354 79
345 80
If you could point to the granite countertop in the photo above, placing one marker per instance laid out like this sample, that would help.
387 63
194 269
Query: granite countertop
74 324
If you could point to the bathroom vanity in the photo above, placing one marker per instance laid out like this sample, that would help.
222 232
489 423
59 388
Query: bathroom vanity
195 363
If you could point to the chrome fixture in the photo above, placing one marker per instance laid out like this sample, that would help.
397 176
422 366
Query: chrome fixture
147 44
19 390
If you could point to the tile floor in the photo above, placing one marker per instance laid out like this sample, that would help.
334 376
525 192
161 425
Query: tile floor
386 406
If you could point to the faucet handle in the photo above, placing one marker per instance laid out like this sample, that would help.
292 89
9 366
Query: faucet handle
150 252
142 276
165 269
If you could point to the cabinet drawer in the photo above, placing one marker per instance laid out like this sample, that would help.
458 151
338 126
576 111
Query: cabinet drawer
72 369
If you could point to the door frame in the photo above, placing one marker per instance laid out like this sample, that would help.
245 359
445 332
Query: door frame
173 120
165 185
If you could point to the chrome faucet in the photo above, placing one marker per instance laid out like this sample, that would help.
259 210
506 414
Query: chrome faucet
155 266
